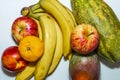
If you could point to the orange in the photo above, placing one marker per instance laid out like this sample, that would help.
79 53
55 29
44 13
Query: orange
31 48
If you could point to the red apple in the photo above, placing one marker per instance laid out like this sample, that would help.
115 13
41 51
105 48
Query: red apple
84 39
24 26
11 59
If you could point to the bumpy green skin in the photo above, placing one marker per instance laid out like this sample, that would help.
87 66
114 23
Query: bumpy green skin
100 15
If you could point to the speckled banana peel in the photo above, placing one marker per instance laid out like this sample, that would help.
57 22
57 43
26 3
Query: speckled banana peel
64 20
58 50
49 39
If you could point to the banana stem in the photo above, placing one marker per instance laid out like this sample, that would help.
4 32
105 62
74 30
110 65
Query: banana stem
35 6
39 10
31 10
26 11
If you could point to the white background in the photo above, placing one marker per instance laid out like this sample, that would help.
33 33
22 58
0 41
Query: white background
10 10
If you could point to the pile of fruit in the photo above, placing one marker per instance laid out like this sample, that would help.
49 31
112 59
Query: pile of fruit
42 35
48 31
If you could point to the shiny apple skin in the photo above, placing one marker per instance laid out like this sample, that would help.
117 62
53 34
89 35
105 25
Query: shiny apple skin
84 39
12 61
24 26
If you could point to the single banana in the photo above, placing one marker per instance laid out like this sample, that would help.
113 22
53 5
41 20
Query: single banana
39 30
58 50
49 39
73 23
39 27
27 73
67 13
71 15
60 14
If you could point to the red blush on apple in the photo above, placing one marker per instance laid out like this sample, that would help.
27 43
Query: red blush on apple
11 59
24 26
84 39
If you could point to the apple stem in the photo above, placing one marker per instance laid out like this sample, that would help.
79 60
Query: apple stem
90 34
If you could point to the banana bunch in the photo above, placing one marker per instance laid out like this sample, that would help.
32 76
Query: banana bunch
55 24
